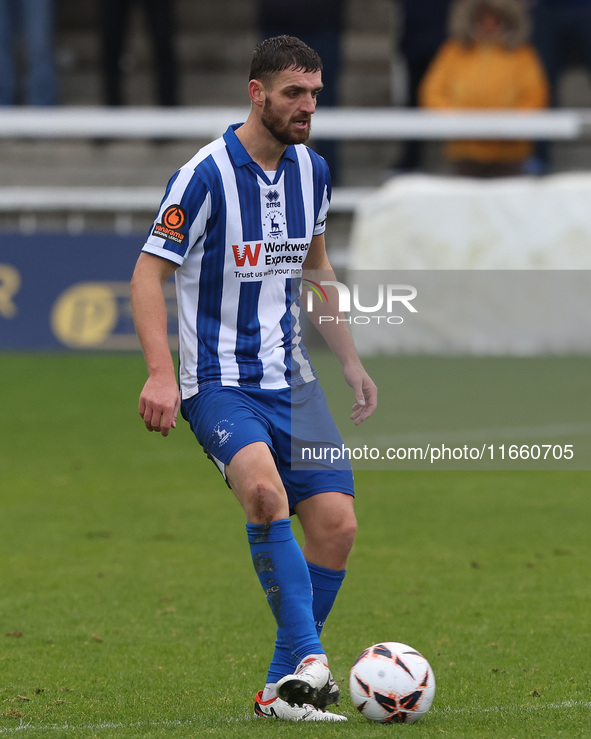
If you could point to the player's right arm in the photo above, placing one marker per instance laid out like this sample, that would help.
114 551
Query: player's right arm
160 399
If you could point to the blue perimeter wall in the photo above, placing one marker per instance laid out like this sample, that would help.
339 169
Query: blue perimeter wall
65 292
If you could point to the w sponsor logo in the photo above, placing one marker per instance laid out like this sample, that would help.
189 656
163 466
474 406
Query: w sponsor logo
246 252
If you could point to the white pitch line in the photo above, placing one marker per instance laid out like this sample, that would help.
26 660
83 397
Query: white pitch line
30 726
513 709
64 728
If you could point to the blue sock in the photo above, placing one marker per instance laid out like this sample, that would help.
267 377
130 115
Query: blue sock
283 662
325 586
283 573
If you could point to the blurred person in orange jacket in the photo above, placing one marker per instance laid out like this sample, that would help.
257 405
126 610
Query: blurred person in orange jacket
486 63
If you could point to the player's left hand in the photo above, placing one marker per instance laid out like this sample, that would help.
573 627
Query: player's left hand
366 393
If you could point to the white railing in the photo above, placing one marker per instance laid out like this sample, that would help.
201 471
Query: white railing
124 204
340 123
370 124
123 199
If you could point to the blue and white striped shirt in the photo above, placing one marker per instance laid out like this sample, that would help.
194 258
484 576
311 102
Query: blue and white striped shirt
240 237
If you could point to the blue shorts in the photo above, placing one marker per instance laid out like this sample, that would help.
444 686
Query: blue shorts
295 423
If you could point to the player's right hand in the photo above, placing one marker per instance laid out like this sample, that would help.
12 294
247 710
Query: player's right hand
159 405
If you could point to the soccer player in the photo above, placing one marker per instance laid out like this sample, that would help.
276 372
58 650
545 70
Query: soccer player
237 225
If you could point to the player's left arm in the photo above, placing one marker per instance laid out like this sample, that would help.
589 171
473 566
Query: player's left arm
336 333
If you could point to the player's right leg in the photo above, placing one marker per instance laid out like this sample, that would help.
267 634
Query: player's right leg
253 477
322 497
226 426
285 578
276 555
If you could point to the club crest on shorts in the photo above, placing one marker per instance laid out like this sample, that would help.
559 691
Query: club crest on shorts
221 432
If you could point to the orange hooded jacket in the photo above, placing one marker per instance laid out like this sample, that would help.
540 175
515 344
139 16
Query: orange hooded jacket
471 75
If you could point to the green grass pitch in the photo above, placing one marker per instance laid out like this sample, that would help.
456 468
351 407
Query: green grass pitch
129 606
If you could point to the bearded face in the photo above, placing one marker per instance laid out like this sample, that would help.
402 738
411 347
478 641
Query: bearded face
290 101
286 128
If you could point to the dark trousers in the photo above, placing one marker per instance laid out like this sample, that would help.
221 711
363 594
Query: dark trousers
562 37
411 155
115 17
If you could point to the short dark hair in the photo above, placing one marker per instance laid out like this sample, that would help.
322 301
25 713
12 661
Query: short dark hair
279 53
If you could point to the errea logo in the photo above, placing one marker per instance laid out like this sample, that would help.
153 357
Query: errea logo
273 198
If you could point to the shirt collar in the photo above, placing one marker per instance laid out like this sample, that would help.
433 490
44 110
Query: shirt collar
239 155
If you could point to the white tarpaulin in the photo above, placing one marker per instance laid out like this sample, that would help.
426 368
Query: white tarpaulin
500 266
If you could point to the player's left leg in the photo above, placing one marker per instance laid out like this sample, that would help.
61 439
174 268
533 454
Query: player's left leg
329 525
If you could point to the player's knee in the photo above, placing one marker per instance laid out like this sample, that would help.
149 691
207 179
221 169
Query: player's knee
348 532
340 534
264 503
